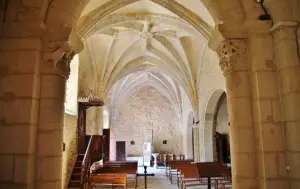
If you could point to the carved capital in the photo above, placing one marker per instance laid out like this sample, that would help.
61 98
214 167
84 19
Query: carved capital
228 52
57 61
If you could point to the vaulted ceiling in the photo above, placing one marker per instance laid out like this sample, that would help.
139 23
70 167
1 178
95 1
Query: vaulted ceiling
133 43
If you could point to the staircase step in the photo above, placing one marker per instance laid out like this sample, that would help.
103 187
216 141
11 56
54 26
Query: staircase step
80 156
74 183
76 176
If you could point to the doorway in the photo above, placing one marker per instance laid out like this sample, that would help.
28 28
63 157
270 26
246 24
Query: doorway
222 148
121 150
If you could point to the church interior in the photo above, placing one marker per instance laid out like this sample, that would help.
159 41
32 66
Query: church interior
149 94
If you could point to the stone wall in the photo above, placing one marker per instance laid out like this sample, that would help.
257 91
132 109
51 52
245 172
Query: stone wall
146 109
69 138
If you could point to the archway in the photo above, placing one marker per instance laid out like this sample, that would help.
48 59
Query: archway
221 130
210 127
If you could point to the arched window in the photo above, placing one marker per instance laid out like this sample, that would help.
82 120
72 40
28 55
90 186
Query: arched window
72 88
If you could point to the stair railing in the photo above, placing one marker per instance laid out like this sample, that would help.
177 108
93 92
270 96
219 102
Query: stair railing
86 164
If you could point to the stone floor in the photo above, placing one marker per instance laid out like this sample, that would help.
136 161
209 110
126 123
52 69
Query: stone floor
159 181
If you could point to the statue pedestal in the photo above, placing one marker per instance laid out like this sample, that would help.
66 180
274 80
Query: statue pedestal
155 159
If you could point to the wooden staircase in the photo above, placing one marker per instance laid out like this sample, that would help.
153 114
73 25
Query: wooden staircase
81 170
89 147
75 179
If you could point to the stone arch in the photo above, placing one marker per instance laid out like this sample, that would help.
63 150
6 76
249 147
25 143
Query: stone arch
209 124
148 62
162 86
126 20
86 22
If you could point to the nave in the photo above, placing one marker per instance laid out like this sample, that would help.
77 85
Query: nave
155 66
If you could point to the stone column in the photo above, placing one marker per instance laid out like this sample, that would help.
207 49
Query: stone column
54 73
288 68
19 104
271 160
235 65
196 143
209 139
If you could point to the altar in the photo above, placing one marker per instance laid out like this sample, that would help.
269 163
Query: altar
139 159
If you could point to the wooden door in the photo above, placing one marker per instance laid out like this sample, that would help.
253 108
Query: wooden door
106 145
121 150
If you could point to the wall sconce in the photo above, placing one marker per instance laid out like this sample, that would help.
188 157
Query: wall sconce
164 142
132 142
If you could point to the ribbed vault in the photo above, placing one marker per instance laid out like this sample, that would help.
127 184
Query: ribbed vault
126 40
135 81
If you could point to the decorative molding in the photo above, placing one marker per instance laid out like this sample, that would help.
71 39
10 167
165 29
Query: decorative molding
90 98
228 51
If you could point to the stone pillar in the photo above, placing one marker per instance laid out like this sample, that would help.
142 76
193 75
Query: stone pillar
288 68
234 63
271 160
19 105
54 73
196 133
209 139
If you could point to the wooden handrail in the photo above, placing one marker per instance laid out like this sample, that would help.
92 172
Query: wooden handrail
86 163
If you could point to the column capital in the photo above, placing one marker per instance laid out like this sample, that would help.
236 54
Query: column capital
228 52
57 58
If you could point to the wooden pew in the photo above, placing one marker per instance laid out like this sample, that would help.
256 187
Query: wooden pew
208 173
172 168
109 180
128 168
215 173
170 163
162 159
189 176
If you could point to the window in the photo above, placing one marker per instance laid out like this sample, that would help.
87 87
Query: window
72 88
